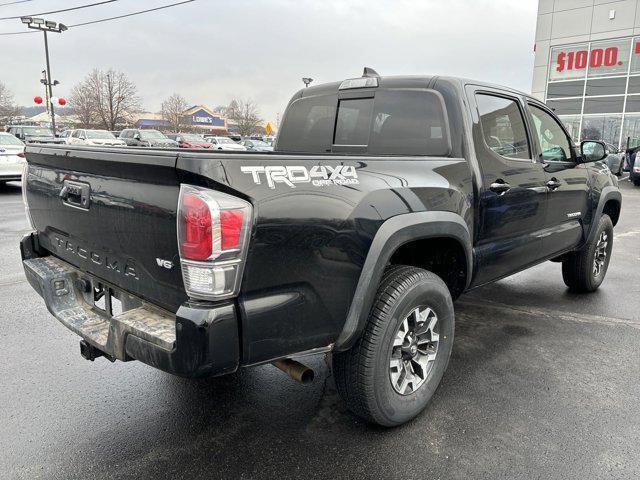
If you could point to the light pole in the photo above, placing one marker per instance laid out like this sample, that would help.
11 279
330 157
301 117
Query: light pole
46 26
306 81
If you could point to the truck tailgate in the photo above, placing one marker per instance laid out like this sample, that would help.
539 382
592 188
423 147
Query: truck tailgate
111 213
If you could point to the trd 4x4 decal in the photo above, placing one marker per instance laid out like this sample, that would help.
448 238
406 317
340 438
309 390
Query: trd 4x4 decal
318 175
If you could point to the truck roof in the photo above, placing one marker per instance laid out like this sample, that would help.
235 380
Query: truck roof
405 81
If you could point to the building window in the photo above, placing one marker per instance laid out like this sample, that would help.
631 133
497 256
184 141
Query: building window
610 57
566 107
568 62
606 86
631 131
634 85
635 57
604 105
566 89
605 128
633 103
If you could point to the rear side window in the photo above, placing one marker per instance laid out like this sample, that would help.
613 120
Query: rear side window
394 122
407 122
503 126
308 125
354 119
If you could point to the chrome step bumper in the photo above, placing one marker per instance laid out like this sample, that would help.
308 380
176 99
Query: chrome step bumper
57 282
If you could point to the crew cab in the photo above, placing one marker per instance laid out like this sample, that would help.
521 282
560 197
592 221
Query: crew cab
385 199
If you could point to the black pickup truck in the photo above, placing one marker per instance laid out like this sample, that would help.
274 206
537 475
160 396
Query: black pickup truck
385 199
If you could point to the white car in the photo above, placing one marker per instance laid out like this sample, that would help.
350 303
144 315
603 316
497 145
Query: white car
65 134
94 137
11 158
225 143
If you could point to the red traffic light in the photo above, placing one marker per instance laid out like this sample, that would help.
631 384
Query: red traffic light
62 101
38 100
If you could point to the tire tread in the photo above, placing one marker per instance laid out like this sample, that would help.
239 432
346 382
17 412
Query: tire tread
351 367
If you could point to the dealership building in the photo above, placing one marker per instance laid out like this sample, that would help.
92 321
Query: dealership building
587 67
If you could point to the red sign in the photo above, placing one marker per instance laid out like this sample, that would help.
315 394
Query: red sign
599 57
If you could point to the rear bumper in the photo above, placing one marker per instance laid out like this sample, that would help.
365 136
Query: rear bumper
10 171
198 340
8 177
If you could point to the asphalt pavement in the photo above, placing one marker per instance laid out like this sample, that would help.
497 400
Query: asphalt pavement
542 384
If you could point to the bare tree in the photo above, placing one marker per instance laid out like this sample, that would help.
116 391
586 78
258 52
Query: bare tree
245 114
83 103
221 109
8 110
112 97
172 111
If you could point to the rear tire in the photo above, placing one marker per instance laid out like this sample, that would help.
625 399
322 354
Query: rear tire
584 270
392 372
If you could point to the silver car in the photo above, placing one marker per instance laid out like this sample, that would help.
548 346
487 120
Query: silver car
615 159
11 158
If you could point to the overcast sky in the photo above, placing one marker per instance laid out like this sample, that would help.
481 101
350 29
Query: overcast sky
212 50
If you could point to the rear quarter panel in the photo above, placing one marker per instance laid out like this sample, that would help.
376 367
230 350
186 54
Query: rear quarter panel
309 242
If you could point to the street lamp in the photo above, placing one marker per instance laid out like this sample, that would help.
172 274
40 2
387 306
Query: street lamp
307 81
46 26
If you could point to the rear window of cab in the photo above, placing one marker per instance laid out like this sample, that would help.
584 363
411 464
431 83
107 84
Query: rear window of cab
393 122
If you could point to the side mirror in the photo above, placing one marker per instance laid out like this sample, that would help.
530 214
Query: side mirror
82 137
592 151
136 136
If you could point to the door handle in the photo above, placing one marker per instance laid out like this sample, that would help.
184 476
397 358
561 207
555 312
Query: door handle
75 194
499 187
553 184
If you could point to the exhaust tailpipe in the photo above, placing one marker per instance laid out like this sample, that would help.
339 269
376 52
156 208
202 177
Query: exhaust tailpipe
299 372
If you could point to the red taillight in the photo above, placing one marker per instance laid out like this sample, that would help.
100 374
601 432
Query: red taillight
196 244
213 234
231 227
21 155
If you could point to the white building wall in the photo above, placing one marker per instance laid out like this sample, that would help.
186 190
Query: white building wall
562 22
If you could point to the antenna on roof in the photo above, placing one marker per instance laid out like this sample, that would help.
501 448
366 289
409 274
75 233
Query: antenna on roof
369 72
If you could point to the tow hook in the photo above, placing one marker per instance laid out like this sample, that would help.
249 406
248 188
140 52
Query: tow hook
89 352
299 372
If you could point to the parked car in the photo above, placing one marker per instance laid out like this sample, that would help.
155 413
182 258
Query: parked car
257 146
348 241
225 143
189 140
633 162
11 157
94 137
65 134
146 138
615 159
30 133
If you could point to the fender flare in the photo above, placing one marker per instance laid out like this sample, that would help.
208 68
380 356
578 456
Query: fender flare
608 193
393 233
